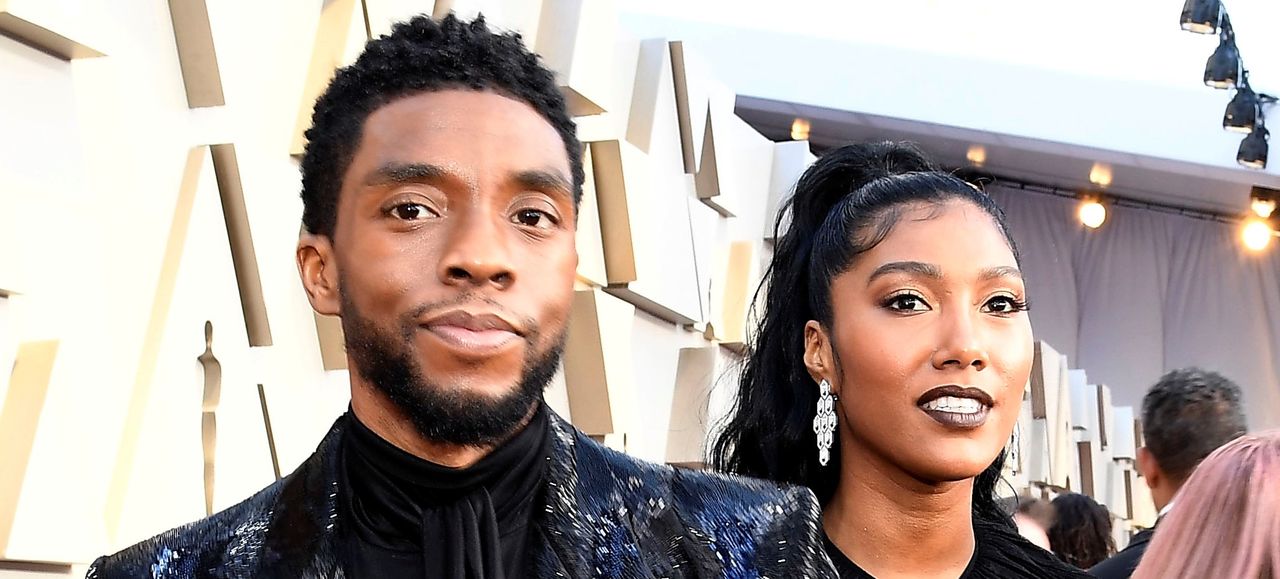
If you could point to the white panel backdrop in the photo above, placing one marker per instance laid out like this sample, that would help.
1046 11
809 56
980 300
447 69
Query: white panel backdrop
1149 292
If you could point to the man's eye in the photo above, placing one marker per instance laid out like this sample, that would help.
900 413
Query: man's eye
536 218
906 303
412 211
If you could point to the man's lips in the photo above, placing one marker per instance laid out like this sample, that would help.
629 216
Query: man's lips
475 333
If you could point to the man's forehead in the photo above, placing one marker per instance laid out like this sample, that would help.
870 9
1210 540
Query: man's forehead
455 127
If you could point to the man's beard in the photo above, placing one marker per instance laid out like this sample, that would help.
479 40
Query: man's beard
442 412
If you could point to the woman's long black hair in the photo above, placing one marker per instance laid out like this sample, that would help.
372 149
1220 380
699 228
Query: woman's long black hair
843 205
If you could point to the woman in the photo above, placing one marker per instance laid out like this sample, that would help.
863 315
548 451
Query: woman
1081 533
895 309
1227 519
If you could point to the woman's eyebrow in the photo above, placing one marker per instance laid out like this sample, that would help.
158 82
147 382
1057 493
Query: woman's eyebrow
918 268
999 272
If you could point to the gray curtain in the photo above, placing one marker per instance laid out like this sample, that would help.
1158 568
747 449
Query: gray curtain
1149 292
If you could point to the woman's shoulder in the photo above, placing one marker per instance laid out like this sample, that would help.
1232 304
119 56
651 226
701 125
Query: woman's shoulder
1005 553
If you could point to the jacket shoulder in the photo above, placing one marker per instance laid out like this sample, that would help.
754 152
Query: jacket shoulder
225 544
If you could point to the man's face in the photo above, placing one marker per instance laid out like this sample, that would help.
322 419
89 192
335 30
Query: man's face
455 257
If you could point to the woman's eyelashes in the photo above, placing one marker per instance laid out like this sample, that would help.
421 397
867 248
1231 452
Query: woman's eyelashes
905 302
1005 305
911 302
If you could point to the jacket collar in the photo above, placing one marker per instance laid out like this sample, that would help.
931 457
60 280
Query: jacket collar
596 511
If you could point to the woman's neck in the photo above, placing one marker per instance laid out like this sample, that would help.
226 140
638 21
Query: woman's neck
893 525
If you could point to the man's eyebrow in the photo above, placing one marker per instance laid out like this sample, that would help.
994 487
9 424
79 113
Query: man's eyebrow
404 173
998 272
546 180
908 267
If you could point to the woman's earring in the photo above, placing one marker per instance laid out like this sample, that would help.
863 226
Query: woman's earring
824 424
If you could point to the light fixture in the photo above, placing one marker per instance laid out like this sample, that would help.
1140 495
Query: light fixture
1242 111
1222 70
1257 234
800 129
1262 201
1100 175
1253 149
1092 213
977 155
1201 16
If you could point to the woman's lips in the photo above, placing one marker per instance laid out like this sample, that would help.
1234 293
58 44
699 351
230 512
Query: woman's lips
956 406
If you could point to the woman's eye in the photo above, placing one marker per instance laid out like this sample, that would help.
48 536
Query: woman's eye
906 303
1004 305
412 212
535 218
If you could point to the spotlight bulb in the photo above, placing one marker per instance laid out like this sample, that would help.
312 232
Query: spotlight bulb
1257 234
1201 16
977 155
800 129
1092 213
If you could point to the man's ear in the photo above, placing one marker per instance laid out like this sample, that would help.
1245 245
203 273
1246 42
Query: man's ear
318 267
818 358
1148 467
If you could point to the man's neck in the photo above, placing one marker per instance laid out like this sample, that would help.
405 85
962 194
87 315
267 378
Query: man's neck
892 525
389 422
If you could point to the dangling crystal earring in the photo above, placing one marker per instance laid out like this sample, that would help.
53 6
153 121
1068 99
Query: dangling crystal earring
824 424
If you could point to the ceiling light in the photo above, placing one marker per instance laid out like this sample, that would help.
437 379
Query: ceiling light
1222 70
1253 149
1201 16
1092 213
1100 175
800 129
977 155
1242 111
1257 234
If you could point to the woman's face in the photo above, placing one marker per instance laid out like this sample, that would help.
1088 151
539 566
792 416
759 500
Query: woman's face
930 346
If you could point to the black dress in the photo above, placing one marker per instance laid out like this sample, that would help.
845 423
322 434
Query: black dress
999 553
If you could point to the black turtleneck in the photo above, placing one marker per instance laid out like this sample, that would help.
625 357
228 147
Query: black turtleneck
403 516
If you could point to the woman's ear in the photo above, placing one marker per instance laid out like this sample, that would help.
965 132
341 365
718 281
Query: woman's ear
818 358
319 271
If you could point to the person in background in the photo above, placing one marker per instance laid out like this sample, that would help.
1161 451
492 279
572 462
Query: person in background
887 368
1081 531
1186 415
1227 523
1034 517
440 186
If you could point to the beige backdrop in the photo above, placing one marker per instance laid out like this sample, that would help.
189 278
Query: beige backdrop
149 184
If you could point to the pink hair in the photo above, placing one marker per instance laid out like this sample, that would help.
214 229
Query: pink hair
1225 521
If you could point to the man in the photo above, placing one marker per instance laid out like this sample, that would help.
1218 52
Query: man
1188 414
440 184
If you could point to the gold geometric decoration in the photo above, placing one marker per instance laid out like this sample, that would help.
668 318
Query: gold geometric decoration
19 419
40 26
196 55
597 363
336 43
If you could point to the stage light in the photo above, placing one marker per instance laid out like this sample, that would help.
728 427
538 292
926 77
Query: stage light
1092 213
1242 111
1257 234
1100 175
1253 149
1201 16
800 129
1222 70
977 155
1263 207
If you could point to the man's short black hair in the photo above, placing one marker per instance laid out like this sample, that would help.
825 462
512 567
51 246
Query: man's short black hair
421 55
1188 414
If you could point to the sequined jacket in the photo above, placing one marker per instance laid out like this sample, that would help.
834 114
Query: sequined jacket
605 515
